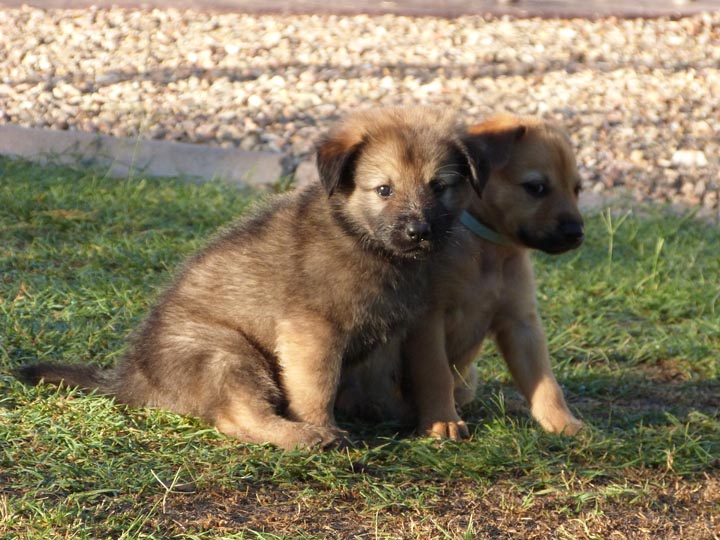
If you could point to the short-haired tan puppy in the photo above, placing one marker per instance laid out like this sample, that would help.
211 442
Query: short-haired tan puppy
484 285
251 335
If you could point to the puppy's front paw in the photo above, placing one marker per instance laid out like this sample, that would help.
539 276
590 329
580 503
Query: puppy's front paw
572 427
454 429
561 423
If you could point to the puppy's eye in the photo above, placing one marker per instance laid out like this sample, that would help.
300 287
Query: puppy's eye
536 189
438 187
577 190
384 191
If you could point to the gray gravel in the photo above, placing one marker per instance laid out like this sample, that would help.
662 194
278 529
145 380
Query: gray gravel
641 98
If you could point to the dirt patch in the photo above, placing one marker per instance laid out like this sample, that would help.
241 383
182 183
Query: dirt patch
645 508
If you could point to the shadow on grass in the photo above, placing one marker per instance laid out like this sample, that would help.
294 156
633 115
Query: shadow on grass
605 402
627 400
609 402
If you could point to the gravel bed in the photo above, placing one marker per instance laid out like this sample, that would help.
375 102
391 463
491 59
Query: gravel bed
640 97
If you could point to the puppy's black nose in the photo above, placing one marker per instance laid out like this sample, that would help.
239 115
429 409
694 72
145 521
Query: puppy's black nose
572 231
417 231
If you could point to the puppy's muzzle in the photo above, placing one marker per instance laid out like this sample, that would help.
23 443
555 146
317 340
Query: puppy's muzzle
568 234
572 232
413 238
417 231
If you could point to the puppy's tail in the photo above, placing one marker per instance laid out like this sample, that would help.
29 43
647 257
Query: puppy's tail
86 377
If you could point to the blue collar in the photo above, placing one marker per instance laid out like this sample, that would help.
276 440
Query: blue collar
481 230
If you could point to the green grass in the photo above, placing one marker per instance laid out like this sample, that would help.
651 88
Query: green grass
633 320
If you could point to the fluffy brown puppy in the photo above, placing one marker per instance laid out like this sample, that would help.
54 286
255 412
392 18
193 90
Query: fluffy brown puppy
251 335
484 285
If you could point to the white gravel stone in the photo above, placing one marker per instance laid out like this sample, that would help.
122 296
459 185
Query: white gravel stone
689 158
630 92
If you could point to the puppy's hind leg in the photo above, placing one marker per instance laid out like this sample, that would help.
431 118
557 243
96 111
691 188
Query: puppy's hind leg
259 423
248 403
309 356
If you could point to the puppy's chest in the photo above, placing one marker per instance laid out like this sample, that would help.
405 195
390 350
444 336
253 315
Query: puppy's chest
474 301
384 310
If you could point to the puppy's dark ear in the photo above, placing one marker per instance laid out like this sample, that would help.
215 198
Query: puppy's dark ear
490 146
469 165
337 155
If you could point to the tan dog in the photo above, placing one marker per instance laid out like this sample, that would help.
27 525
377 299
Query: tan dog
251 335
484 285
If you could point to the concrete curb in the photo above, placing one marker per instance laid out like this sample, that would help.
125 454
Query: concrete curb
124 157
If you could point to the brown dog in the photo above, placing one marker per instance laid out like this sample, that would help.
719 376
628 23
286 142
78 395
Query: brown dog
483 285
251 335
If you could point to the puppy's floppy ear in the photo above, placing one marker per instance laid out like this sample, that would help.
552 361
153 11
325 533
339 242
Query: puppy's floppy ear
337 154
462 155
490 145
